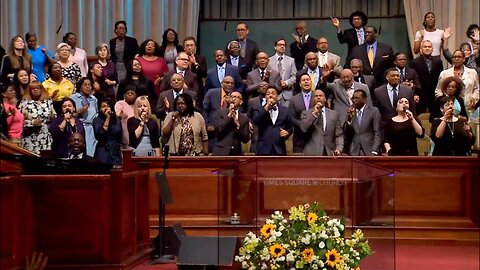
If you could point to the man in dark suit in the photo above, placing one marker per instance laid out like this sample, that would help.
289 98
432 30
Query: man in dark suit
233 57
302 45
232 128
408 76
323 129
299 103
181 67
376 56
356 67
274 126
222 69
130 48
76 147
262 73
428 68
196 62
313 70
166 98
387 95
362 129
255 104
215 100
352 36
248 48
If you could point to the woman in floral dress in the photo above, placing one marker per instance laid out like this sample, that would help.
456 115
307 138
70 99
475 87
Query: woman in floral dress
37 107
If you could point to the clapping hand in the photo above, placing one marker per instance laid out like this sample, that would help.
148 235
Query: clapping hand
284 133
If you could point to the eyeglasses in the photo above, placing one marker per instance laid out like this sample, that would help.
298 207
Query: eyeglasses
241 30
183 59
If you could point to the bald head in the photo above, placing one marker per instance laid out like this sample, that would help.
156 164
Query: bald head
311 59
346 76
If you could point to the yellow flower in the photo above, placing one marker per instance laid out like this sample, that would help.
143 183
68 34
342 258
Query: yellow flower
312 217
307 254
267 230
277 250
333 258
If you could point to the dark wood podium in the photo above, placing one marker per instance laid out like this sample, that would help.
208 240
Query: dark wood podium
80 221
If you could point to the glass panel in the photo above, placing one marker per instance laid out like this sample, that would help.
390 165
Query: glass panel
348 189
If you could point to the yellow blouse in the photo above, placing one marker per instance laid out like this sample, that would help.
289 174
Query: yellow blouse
65 88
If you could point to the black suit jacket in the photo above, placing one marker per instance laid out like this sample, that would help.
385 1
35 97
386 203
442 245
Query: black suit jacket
129 51
383 60
201 70
382 101
251 51
428 80
229 138
350 37
269 140
190 80
243 66
299 53
161 113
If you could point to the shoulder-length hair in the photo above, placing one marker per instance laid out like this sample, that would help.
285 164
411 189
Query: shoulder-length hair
188 102
164 37
44 95
110 102
139 101
78 85
26 57
129 70
144 44
103 45
453 79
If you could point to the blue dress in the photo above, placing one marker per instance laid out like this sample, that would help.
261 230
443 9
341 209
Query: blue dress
87 119
39 61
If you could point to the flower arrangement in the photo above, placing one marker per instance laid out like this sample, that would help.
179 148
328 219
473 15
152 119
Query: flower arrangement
308 240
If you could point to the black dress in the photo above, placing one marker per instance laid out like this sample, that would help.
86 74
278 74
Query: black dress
108 149
456 144
402 138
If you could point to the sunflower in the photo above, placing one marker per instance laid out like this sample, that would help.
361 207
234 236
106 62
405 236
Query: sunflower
307 254
277 250
267 229
312 217
332 257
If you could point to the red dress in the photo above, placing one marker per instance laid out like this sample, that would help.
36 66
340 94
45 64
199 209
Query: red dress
153 70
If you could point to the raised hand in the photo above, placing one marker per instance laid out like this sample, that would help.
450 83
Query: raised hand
447 33
335 22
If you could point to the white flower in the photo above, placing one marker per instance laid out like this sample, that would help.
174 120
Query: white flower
323 235
269 221
306 239
244 265
290 257
321 244
277 234
320 263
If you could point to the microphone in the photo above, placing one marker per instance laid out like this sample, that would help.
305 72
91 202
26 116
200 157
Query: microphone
405 109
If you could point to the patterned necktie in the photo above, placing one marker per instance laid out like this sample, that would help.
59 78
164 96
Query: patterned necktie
262 74
394 96
370 55
429 64
402 75
360 36
359 117
306 100
243 49
280 67
224 102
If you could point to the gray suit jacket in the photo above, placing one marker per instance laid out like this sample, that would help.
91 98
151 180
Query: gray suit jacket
289 70
229 137
322 141
254 79
295 108
341 101
364 138
212 103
